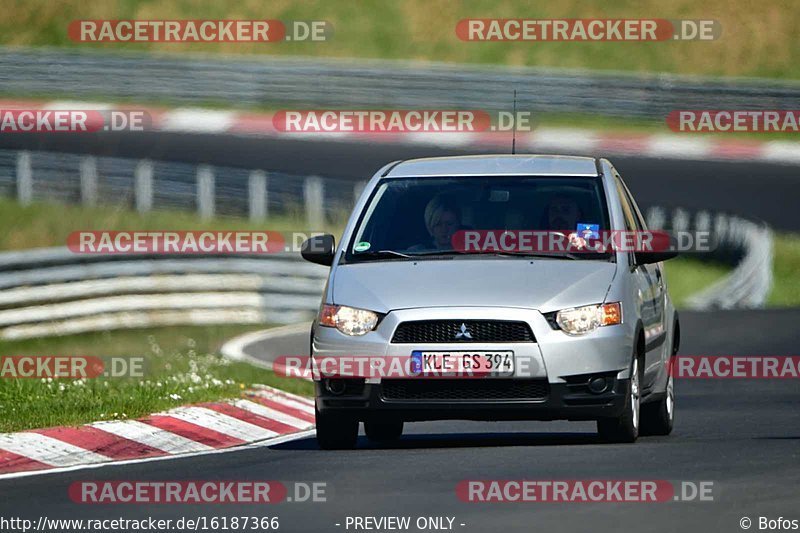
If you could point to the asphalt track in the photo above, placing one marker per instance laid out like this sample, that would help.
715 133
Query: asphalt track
743 435
765 191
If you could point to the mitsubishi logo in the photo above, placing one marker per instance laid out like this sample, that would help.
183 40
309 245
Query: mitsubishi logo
464 334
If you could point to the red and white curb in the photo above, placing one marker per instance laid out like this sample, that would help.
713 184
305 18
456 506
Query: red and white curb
263 415
557 140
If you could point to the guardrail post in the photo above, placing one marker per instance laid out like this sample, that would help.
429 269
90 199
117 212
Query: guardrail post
702 221
205 191
257 193
88 181
24 178
680 220
314 197
143 186
655 218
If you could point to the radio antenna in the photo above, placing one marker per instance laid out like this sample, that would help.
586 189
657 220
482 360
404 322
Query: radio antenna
514 130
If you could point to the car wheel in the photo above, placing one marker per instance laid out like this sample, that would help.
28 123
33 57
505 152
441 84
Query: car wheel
624 428
383 430
336 432
659 417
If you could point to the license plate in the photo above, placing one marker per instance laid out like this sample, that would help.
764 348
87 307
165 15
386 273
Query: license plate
463 363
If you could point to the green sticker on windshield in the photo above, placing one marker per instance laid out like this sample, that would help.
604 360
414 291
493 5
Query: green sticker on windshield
361 247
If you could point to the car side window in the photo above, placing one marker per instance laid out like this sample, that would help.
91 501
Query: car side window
631 223
634 206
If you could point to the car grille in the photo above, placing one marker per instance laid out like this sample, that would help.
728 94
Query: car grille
464 389
449 331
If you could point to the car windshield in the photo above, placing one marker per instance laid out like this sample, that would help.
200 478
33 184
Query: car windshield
412 218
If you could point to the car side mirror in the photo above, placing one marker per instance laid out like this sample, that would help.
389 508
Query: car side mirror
319 249
647 258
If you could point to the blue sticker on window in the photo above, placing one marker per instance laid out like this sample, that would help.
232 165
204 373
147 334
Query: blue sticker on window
588 231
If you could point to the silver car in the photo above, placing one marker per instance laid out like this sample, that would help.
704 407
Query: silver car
556 334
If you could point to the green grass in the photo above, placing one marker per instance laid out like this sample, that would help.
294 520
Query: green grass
48 224
786 271
686 276
758 38
181 366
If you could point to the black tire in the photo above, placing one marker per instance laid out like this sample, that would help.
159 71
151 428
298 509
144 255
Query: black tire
624 428
658 418
383 430
336 432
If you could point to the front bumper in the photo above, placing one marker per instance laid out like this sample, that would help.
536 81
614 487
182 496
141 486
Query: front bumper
561 362
562 401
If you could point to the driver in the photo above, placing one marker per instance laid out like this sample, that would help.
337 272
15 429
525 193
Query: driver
442 220
563 213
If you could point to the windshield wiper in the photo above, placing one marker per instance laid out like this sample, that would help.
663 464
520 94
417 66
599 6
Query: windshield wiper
382 254
551 255
554 255
437 252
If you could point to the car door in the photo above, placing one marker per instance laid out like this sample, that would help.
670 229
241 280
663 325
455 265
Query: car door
649 285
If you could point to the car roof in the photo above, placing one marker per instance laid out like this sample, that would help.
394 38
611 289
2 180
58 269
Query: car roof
496 165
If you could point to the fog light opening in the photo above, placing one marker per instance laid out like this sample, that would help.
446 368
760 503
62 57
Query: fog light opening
335 386
598 385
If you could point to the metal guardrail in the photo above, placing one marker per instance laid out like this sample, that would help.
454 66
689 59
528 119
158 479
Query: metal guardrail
252 81
56 292
743 243
145 185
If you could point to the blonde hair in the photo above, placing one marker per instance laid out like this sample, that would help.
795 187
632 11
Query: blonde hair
436 207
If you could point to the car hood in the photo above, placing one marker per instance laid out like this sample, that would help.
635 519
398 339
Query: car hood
546 285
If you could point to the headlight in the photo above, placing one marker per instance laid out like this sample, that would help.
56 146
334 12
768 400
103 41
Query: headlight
582 320
348 320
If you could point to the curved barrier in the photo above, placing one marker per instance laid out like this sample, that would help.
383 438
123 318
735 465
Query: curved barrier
743 243
53 291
